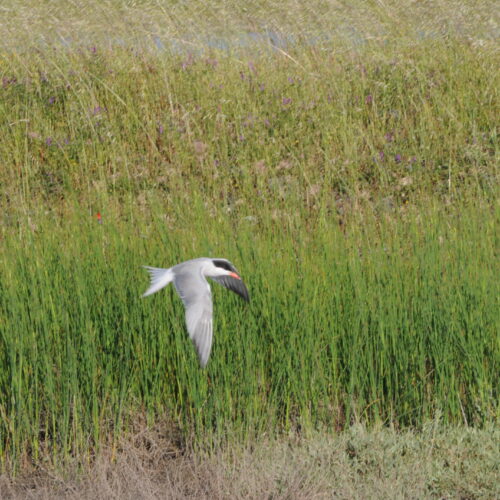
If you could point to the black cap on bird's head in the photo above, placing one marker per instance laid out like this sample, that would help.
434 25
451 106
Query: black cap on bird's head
224 264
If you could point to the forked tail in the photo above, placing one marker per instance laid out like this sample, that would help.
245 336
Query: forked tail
159 278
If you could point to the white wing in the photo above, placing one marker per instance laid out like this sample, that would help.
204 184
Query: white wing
195 292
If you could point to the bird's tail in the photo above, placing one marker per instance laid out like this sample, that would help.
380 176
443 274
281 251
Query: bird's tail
159 278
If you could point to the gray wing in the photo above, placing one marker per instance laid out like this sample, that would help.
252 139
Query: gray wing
195 292
234 284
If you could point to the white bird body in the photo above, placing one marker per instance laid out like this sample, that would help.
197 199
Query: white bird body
190 281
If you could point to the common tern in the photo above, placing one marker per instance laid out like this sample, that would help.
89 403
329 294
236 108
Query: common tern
190 281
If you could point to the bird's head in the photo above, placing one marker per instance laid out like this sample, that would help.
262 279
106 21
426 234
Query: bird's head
222 267
224 273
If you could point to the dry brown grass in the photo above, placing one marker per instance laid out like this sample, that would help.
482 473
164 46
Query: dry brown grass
435 463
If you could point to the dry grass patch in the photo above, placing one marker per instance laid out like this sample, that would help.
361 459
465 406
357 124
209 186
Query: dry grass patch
435 463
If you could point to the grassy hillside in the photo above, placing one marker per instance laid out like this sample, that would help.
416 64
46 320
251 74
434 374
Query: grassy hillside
349 170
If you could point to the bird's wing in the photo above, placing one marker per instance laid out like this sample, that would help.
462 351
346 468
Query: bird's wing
234 284
194 291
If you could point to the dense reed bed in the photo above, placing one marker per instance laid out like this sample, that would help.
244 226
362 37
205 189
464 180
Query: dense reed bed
353 184
392 321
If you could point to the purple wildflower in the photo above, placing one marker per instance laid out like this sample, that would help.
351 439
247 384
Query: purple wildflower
160 129
381 155
6 81
286 100
49 141
262 87
251 67
398 158
52 100
93 50
389 136
98 110
189 61
290 80
369 99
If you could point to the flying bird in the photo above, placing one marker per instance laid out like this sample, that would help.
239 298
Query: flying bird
190 281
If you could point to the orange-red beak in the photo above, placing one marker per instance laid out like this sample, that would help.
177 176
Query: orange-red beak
234 275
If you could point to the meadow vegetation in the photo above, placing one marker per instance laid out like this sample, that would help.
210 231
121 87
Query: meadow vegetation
379 464
344 158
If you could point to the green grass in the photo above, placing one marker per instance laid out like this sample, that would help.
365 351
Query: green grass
353 185
392 321
397 123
